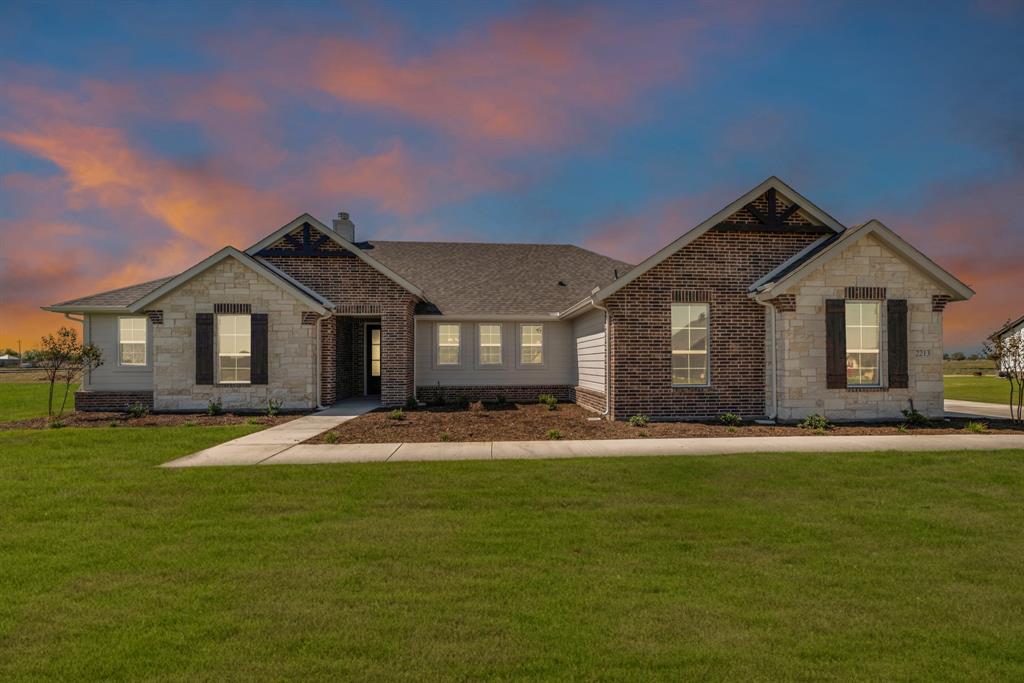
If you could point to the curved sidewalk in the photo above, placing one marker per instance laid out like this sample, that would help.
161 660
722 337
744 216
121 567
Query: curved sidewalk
264 448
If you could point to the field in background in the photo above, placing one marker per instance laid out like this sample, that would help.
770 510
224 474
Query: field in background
19 376
969 367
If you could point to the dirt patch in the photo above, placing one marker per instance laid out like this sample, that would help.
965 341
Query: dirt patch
532 422
22 376
155 420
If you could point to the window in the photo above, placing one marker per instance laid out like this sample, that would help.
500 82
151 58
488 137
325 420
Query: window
862 343
448 344
375 352
490 344
131 338
531 344
689 344
233 349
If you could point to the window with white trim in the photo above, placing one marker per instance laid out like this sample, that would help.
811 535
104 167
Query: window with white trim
234 349
131 340
490 343
531 344
862 343
690 344
448 336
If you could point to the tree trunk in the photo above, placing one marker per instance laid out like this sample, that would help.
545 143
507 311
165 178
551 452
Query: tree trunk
67 388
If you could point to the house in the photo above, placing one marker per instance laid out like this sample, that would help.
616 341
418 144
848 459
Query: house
8 360
1012 330
769 308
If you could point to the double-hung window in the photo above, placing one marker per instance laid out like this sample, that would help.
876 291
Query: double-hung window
490 344
131 340
531 344
448 341
862 343
690 344
234 349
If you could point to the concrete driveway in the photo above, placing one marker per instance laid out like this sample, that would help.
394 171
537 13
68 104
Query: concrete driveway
986 411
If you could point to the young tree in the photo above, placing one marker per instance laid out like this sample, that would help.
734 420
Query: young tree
1008 353
64 358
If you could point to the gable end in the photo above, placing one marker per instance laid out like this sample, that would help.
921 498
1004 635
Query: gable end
772 212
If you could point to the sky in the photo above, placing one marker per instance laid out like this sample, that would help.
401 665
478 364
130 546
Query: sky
138 138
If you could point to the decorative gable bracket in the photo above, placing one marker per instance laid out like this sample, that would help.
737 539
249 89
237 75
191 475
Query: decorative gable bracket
771 214
308 244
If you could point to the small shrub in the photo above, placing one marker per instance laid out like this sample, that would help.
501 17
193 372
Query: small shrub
554 435
476 406
549 400
190 423
915 418
214 407
976 427
253 421
461 402
113 423
273 406
815 422
330 437
445 436
137 410
902 428
438 401
732 429
55 424
730 419
643 434
396 414
411 403
501 399
639 420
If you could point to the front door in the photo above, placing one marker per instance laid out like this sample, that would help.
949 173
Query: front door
372 356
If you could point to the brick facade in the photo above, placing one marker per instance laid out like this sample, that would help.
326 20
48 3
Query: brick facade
356 289
591 400
111 401
518 392
723 264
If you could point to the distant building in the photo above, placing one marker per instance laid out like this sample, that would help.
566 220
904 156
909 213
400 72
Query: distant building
9 361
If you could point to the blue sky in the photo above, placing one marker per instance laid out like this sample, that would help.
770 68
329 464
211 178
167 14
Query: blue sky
136 139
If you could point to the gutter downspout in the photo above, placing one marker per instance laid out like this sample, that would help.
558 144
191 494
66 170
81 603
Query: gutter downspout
317 379
774 408
607 361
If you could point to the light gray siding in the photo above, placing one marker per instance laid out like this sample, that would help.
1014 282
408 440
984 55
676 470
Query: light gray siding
559 365
589 333
101 329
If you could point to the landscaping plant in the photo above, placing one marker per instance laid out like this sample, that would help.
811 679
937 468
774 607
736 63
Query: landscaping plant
214 407
137 410
549 400
815 422
976 427
411 403
554 435
64 358
639 420
331 437
445 436
273 406
915 418
730 419
397 414
1008 353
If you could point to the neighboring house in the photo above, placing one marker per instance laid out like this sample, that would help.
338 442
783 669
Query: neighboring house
9 361
770 308
1008 331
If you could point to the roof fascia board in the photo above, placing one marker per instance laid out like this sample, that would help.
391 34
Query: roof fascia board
85 309
342 242
455 317
209 262
721 215
787 263
873 227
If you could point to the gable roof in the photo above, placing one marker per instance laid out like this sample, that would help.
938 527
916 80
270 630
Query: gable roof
1009 327
771 183
306 218
303 294
113 300
472 278
788 274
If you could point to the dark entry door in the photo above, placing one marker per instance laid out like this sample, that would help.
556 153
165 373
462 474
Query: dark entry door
372 356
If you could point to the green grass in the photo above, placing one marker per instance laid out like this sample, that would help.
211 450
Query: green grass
883 566
984 389
25 401
969 367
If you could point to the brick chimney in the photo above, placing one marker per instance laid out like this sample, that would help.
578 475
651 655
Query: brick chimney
345 227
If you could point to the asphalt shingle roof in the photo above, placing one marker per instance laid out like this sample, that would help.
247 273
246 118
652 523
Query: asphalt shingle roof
467 278
117 297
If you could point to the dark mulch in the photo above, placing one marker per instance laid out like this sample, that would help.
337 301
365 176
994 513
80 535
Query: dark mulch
152 420
531 422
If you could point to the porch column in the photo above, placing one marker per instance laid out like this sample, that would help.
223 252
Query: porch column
397 350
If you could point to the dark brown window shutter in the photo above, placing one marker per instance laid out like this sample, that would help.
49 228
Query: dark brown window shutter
204 348
259 348
899 375
835 343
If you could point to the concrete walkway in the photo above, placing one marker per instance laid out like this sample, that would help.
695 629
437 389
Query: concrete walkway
986 411
264 453
255 448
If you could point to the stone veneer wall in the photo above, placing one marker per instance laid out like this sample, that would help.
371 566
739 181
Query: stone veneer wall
291 345
717 267
358 290
801 339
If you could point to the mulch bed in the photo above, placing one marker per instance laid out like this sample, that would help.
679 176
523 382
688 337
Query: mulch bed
531 422
152 420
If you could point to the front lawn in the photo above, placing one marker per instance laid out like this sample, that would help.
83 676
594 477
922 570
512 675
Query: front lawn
870 566
25 401
985 389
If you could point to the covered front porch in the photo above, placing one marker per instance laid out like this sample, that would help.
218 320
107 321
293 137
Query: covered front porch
366 356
